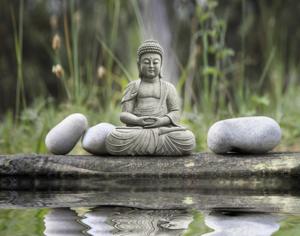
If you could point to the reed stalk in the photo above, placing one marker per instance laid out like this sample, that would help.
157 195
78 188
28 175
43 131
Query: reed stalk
18 41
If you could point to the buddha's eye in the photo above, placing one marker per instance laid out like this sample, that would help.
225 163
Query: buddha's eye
146 61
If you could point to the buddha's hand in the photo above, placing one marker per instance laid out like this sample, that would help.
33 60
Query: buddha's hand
158 122
145 121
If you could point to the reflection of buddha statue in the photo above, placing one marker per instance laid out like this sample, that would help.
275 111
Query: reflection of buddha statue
150 110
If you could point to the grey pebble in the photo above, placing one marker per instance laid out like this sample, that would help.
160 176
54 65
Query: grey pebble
256 134
93 140
63 137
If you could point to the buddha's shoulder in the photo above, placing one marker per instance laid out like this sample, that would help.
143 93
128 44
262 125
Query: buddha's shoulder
130 91
169 85
133 84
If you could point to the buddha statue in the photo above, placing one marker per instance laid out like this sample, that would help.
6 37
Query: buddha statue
151 112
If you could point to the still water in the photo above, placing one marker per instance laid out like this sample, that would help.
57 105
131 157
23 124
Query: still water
131 221
171 206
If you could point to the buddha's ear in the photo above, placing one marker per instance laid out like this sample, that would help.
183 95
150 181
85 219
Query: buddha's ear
160 75
160 72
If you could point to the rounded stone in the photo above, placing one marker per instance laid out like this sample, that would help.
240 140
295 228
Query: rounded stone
63 137
93 140
257 134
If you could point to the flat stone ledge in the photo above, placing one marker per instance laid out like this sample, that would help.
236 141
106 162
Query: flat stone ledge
202 165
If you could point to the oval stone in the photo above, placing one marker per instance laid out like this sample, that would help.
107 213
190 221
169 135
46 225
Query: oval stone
63 137
93 140
257 134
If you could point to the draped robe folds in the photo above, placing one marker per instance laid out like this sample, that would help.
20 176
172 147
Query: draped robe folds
166 140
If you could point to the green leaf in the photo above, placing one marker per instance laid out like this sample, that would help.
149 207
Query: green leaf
209 70
260 100
226 52
204 17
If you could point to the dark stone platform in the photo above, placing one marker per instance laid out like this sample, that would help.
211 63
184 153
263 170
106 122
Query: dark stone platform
206 165
204 181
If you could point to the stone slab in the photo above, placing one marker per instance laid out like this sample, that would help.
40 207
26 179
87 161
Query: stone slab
204 181
199 165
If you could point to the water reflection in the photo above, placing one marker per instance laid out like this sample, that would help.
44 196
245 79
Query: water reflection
242 224
117 221
62 221
123 221
143 206
254 194
130 221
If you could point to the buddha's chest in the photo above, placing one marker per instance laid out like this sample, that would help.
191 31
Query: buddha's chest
147 90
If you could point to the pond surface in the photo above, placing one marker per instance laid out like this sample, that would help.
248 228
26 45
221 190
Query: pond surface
131 221
123 206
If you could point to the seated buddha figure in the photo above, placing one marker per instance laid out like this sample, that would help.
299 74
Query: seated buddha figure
151 112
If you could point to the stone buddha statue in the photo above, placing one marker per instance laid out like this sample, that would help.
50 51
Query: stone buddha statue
151 112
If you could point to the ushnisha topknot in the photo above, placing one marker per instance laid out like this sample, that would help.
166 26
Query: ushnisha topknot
150 46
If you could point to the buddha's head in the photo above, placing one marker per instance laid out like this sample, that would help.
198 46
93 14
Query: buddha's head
150 55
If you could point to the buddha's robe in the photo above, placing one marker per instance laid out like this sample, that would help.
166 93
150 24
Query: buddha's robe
136 140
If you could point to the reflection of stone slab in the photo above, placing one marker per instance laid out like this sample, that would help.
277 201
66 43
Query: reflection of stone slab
264 183
249 194
152 200
198 165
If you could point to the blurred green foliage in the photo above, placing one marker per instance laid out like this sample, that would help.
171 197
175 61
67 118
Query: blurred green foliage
197 226
235 58
289 227
22 222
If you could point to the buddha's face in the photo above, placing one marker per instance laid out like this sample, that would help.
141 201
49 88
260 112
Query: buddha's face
150 65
